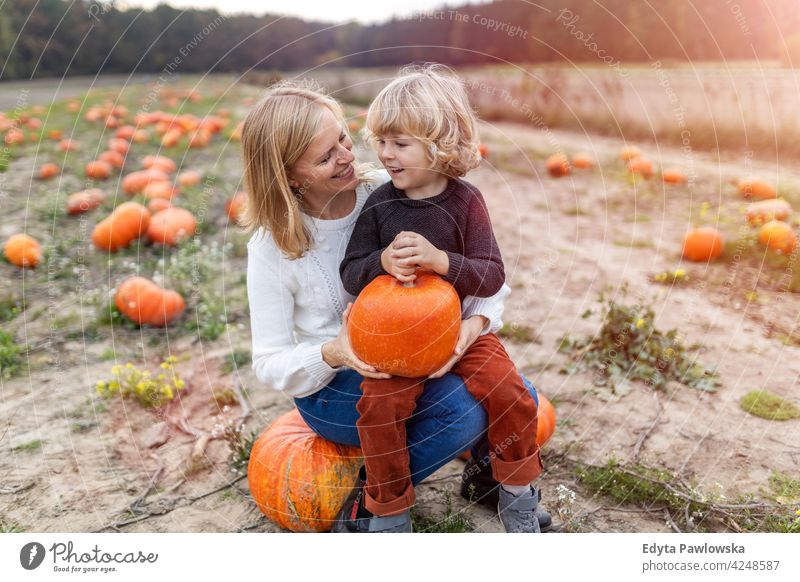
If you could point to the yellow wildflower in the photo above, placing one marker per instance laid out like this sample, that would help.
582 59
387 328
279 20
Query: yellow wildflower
639 323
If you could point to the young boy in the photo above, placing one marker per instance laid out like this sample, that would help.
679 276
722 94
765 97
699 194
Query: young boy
426 217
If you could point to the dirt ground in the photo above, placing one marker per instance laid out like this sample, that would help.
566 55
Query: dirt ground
105 466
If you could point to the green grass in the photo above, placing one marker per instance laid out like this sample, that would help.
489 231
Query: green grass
784 486
517 333
769 406
235 360
451 522
10 526
28 447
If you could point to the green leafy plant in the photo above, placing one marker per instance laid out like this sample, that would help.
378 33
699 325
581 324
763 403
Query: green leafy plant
451 522
628 347
10 360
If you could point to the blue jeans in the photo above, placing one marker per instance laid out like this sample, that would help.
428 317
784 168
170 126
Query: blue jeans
447 420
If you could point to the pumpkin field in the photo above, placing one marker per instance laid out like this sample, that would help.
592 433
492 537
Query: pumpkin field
655 303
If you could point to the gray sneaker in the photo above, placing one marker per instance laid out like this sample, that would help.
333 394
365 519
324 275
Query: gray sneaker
518 514
399 523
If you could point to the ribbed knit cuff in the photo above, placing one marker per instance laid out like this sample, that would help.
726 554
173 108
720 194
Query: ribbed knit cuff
456 265
374 264
316 367
481 306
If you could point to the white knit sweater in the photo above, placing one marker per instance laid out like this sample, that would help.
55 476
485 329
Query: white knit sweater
297 305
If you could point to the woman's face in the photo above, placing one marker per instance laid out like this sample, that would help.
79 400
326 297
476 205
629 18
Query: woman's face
326 168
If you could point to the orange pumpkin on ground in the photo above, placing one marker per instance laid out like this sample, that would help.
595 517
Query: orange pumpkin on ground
127 223
158 204
236 205
558 165
483 150
298 479
627 153
14 137
583 161
408 331
162 163
641 166
98 170
702 244
757 189
673 176
68 145
766 210
171 226
118 145
48 171
23 251
162 189
116 159
85 200
55 134
125 132
189 178
145 303
135 182
778 236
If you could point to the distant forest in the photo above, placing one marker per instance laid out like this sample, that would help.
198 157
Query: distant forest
55 38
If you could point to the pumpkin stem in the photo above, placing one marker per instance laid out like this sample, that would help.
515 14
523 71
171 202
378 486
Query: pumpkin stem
408 284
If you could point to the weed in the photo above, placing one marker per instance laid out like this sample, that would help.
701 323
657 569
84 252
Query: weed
28 447
628 347
240 444
10 360
235 360
766 405
517 333
450 522
130 382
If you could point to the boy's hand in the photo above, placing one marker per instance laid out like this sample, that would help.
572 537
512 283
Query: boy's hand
412 250
393 267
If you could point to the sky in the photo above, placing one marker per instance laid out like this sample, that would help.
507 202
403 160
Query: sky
325 10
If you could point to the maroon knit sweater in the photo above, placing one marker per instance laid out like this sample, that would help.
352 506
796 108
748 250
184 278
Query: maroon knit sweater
455 221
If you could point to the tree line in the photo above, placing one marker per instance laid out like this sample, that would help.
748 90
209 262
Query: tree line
55 38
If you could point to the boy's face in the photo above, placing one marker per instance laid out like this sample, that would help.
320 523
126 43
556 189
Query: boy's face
406 160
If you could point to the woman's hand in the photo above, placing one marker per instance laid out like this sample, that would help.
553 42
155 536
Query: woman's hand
338 352
470 331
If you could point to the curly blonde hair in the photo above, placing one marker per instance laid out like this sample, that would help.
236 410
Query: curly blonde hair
429 103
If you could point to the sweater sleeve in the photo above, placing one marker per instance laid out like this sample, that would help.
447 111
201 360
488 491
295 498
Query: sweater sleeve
296 369
490 307
479 271
362 259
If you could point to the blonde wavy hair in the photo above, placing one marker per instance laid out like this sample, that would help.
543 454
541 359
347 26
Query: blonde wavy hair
429 102
276 133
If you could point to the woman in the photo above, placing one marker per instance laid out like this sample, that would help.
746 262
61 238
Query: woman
305 191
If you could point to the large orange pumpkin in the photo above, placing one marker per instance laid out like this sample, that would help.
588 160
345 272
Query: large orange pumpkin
23 251
702 244
778 236
145 303
171 226
47 171
298 479
128 222
408 331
